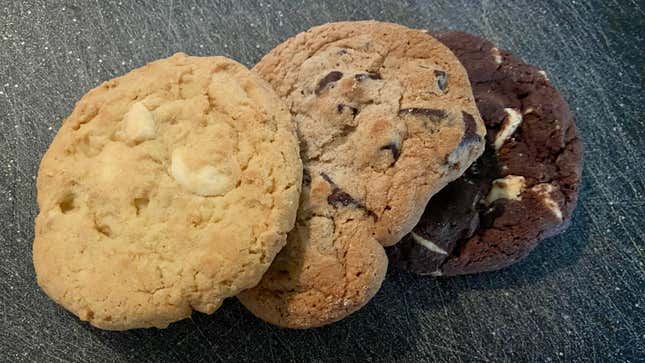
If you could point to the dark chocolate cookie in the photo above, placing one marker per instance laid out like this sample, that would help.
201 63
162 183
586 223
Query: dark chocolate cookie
522 190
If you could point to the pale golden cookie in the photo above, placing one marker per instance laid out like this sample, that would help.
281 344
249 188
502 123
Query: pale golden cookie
386 117
167 190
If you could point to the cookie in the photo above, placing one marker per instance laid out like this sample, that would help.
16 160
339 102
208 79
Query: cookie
167 190
385 117
522 190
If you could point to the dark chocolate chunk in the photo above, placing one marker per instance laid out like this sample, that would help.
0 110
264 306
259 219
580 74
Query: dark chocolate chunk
470 129
333 76
338 196
442 80
371 214
433 114
394 148
340 107
470 136
327 178
363 76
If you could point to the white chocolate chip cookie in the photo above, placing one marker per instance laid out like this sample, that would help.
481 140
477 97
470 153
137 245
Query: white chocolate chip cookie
167 190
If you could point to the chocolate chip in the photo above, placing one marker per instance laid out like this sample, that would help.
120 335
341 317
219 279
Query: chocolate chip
470 136
433 114
340 107
371 214
394 148
363 76
306 177
442 80
327 178
470 129
338 196
342 52
329 78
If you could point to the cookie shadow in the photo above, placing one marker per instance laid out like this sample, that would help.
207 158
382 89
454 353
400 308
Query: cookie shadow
233 334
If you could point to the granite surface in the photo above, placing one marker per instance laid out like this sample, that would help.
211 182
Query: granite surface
579 297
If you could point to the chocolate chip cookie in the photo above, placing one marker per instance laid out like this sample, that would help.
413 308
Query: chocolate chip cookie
167 190
386 118
525 186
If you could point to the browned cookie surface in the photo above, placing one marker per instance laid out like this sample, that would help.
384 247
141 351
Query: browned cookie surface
523 189
386 118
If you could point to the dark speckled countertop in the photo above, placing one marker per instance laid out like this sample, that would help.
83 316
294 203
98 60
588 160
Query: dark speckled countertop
579 297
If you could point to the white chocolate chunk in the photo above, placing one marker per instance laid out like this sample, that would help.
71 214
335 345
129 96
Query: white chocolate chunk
512 120
543 73
428 244
228 92
497 56
509 187
139 123
205 181
545 190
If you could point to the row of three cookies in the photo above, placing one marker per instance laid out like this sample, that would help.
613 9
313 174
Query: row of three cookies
172 188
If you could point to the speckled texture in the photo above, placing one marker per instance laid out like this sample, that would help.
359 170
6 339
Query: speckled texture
579 297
